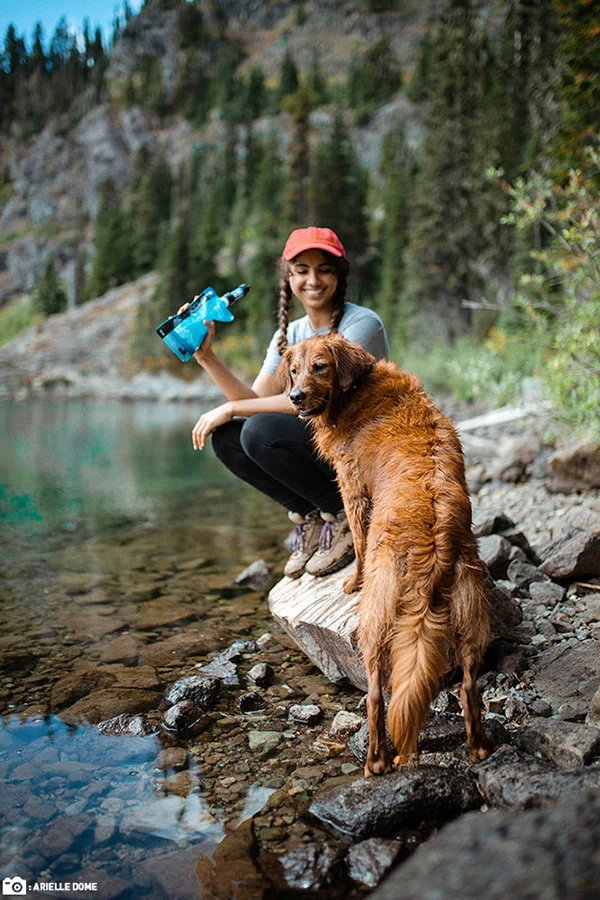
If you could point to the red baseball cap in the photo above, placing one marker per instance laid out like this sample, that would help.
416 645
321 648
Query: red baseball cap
313 239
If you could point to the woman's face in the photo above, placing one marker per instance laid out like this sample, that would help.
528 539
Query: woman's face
313 280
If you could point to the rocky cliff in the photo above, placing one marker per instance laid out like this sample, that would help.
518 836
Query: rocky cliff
55 176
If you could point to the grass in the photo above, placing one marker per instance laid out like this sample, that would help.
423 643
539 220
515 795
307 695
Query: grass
16 318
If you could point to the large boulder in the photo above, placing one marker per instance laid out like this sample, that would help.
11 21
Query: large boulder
548 854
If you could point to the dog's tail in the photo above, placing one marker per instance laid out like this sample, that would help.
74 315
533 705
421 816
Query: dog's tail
415 617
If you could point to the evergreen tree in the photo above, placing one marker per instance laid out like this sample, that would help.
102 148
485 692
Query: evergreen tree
289 80
112 244
38 56
373 77
49 295
255 95
579 83
449 233
338 189
420 84
315 83
397 168
151 209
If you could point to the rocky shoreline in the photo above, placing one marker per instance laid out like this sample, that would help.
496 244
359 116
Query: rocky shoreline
274 751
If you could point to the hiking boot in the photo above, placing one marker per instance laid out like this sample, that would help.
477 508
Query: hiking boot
336 546
304 542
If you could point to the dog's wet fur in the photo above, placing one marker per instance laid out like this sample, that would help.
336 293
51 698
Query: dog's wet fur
401 472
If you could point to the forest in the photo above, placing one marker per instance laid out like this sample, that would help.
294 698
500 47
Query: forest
479 245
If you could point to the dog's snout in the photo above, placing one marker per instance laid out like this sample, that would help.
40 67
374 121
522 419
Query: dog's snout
297 396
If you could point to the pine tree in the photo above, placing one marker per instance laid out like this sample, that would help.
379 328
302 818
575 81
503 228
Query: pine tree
289 81
49 295
338 189
397 168
151 209
449 234
420 84
254 95
579 83
112 244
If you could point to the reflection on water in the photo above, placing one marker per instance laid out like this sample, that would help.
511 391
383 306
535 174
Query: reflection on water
117 540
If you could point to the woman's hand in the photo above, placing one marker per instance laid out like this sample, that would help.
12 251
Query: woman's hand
205 347
207 423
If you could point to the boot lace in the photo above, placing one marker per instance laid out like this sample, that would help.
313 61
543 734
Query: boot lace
299 537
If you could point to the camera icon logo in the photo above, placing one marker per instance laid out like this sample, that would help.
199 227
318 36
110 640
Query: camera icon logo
14 887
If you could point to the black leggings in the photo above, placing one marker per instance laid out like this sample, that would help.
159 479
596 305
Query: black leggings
274 453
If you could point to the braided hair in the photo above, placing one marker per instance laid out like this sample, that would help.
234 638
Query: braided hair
341 268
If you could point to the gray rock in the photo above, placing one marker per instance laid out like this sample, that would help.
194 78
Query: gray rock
184 718
568 674
491 522
262 674
346 723
566 743
511 778
264 742
370 860
494 551
550 854
518 540
592 608
311 867
138 726
305 714
522 574
442 733
546 592
572 712
540 708
575 466
377 807
593 717
505 613
200 689
577 556
445 702
224 665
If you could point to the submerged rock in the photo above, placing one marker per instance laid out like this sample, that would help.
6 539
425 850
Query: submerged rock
256 577
551 854
184 718
138 726
264 742
381 806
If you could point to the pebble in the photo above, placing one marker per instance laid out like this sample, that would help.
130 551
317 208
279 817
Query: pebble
261 674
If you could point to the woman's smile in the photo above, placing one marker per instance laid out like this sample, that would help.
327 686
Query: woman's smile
314 282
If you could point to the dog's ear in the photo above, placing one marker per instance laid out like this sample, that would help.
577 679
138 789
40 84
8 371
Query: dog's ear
352 362
282 374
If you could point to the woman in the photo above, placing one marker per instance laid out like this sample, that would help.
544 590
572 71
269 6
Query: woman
257 433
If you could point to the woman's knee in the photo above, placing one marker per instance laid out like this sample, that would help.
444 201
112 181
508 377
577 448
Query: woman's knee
226 440
257 434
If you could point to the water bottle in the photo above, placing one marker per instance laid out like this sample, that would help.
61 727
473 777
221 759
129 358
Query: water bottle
184 332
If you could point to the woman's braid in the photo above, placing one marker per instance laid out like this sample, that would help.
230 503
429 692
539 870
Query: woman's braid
285 297
339 298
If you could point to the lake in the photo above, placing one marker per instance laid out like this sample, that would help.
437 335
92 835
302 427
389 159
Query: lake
117 542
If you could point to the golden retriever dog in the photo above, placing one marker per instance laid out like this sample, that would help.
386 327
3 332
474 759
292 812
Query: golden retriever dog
400 468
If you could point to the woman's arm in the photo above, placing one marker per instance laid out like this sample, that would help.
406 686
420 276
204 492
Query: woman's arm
214 418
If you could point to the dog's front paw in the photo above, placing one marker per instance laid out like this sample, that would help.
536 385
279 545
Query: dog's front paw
351 584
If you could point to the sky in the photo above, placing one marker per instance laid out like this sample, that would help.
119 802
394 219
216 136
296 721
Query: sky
24 14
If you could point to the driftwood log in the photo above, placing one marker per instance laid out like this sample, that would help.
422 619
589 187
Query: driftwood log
323 621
